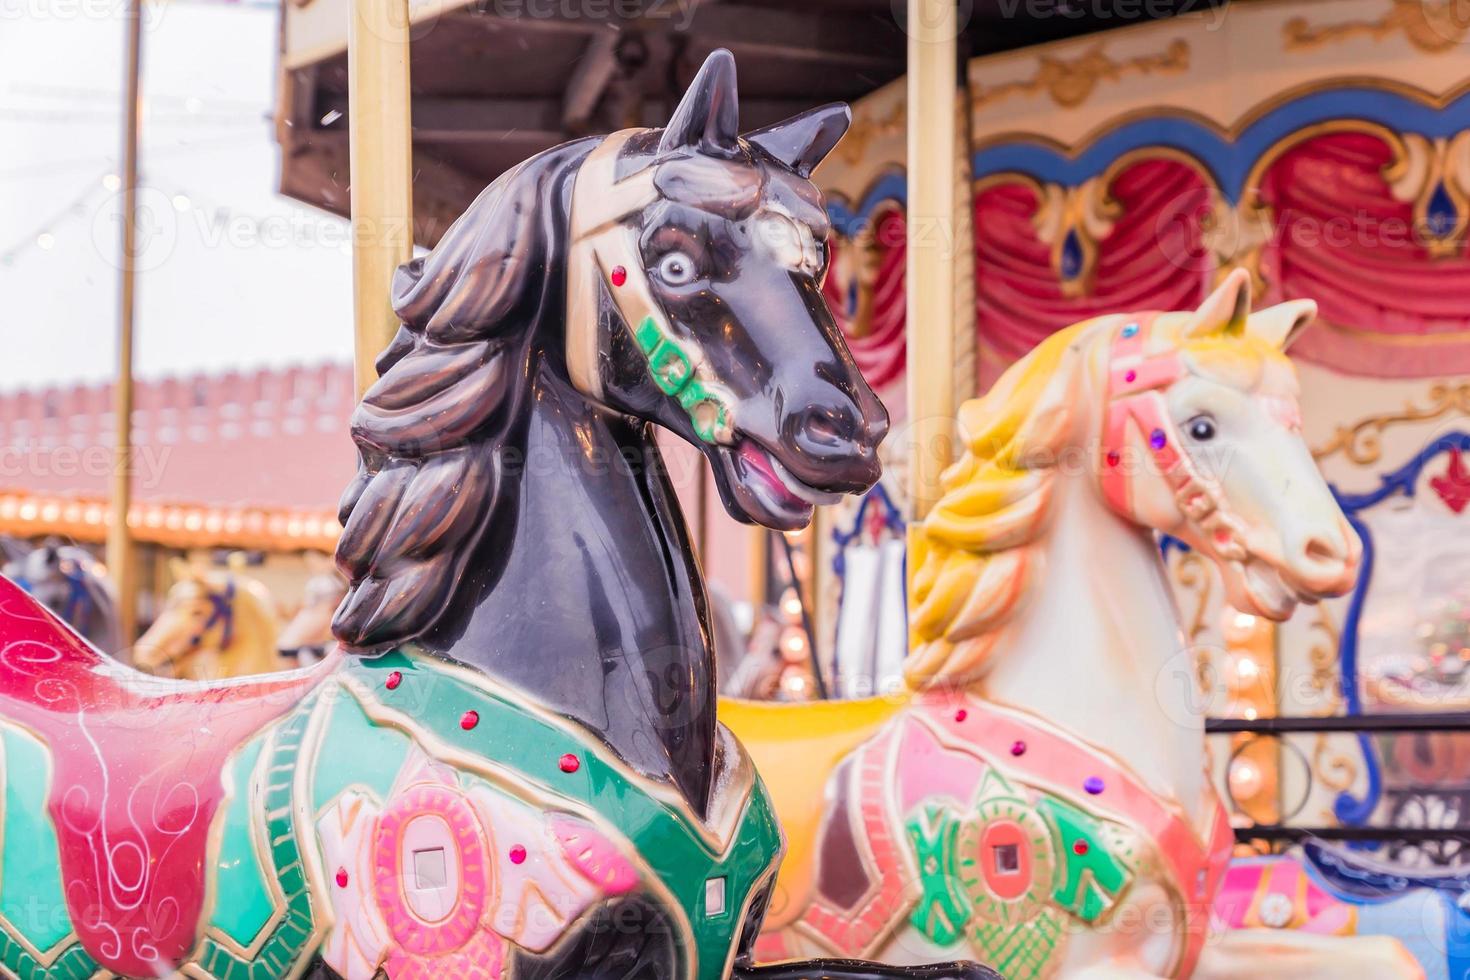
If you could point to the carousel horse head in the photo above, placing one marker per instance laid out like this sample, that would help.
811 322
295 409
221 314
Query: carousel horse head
67 580
668 276
213 624
1186 425
308 634
695 269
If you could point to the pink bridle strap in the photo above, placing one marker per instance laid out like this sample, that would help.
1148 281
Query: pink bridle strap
1136 380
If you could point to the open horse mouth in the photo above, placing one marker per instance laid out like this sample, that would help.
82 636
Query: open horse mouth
765 490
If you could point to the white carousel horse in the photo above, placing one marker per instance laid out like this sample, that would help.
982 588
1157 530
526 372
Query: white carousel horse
1039 798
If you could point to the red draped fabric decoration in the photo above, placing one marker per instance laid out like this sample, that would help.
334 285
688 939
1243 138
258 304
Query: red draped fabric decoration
1152 258
864 289
1388 308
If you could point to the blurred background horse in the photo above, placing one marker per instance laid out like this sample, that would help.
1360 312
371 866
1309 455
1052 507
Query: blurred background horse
70 582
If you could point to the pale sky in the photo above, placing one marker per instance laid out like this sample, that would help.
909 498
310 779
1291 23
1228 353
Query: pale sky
234 275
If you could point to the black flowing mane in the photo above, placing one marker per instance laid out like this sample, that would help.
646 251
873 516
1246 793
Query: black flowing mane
432 433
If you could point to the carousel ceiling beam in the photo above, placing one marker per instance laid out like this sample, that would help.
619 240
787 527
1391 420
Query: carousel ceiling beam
595 71
500 24
532 120
455 120
319 174
798 35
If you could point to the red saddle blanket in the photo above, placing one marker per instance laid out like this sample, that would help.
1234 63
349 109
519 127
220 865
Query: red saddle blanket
135 781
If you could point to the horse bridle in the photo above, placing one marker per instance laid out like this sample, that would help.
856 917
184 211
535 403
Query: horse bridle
222 614
604 255
1136 383
78 599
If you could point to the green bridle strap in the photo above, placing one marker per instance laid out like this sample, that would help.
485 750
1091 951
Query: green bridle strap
674 374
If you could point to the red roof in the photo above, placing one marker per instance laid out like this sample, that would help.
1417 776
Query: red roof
267 441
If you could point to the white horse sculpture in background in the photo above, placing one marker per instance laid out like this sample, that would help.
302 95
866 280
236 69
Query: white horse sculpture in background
1039 799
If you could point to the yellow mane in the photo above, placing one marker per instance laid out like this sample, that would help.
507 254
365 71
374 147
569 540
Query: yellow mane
974 554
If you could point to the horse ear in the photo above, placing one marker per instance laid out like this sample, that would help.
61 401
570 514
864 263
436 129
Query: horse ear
1226 309
1281 324
708 117
803 141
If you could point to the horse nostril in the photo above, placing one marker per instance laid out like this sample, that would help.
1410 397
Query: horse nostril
827 427
1320 550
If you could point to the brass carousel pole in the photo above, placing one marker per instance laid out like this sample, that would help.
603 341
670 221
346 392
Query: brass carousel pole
931 278
120 563
382 175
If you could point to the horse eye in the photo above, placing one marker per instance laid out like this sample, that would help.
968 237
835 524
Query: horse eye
1201 428
676 269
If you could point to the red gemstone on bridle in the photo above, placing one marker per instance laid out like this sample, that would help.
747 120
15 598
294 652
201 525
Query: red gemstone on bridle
394 679
619 275
1080 847
517 855
570 763
341 877
961 715
469 719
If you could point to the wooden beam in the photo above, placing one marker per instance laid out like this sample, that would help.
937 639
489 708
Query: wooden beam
931 271
382 188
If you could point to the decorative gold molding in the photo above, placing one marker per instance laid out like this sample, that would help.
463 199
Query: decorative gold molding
1362 442
868 128
1421 169
1071 81
1432 26
1085 214
1192 576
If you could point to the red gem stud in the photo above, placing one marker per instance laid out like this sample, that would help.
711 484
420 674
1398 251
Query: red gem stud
619 275
517 855
341 877
1131 377
394 679
570 763
1018 748
1114 458
961 715
1080 847
469 720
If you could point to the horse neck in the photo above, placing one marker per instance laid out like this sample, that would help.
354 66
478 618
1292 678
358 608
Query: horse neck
1098 647
583 594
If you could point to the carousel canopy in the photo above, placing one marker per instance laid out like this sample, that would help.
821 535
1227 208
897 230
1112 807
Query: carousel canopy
496 81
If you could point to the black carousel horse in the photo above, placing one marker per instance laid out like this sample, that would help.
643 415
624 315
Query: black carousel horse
515 772
512 513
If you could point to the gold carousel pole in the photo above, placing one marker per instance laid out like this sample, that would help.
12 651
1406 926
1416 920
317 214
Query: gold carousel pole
382 174
933 154
120 562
